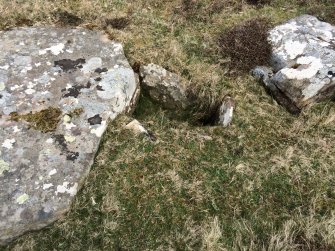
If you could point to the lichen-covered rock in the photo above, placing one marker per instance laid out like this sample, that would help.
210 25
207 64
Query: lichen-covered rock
303 62
58 90
164 87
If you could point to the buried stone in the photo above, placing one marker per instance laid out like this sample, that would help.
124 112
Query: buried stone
52 118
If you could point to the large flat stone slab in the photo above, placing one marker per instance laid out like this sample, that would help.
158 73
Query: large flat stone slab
303 62
58 90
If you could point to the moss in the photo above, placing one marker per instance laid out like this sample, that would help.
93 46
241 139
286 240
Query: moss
76 112
45 120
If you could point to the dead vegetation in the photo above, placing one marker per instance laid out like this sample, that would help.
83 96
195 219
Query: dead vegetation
246 45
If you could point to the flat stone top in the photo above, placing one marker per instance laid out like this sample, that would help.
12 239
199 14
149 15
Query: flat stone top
58 89
304 59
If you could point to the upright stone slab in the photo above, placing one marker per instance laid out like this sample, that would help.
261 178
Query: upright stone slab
303 62
58 89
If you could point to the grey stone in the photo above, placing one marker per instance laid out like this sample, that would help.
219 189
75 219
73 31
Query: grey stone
225 112
83 80
303 62
164 87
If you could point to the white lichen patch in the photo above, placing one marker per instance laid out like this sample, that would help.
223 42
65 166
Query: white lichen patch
2 86
47 186
5 67
308 69
4 166
313 89
22 198
64 189
13 88
8 143
30 91
293 49
56 49
16 129
49 141
31 85
52 172
118 49
91 65
69 126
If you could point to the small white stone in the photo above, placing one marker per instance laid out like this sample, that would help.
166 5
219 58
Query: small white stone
47 186
52 172
8 143
29 91
49 141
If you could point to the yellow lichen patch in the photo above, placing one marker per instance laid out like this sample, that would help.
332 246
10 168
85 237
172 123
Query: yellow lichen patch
45 120
4 166
22 198
69 138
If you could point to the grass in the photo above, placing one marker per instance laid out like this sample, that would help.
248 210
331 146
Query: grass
265 183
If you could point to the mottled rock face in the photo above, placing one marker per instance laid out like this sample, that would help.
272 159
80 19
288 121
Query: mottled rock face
303 61
58 89
164 87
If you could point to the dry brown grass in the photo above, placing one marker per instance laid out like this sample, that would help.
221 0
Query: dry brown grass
246 45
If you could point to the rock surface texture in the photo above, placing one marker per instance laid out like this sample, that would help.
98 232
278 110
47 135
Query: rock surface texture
303 62
164 87
58 89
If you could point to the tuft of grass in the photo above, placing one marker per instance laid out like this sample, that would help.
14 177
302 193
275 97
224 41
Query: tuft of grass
118 23
246 45
259 2
65 18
